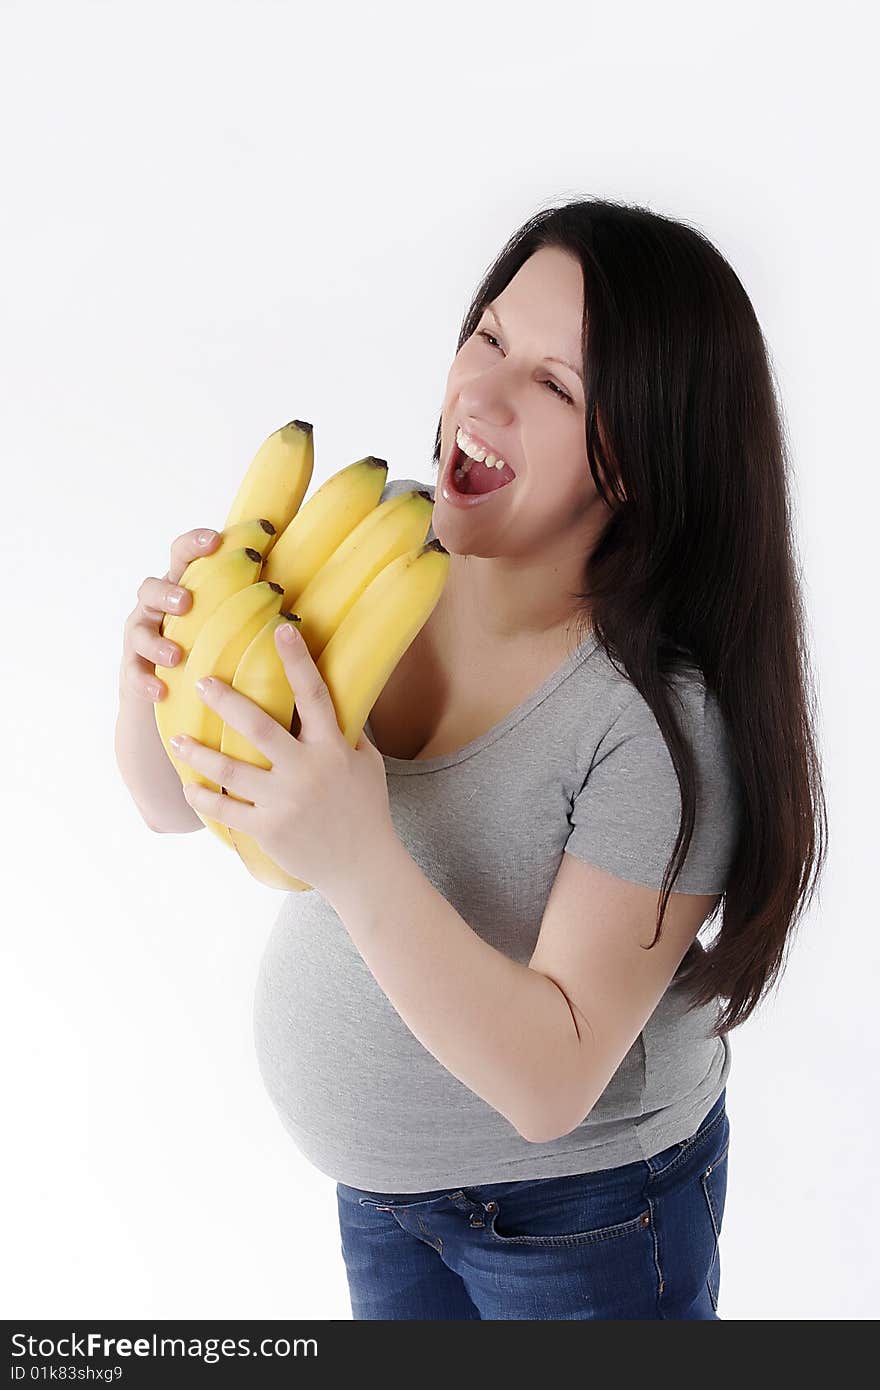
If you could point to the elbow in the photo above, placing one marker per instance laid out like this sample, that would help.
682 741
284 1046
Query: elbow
544 1128
536 1136
533 1126
547 1135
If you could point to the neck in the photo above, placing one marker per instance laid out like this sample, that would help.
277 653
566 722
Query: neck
500 606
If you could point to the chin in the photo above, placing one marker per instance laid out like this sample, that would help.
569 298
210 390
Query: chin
452 543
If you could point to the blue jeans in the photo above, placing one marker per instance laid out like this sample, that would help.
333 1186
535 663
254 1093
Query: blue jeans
635 1242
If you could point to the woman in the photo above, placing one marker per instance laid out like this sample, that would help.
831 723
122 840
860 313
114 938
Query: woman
600 741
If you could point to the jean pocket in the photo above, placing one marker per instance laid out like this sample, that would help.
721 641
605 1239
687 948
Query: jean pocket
568 1211
713 1180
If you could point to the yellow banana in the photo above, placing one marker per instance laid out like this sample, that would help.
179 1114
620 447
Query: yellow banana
259 534
355 665
277 479
322 523
260 675
216 652
376 631
219 577
389 530
368 585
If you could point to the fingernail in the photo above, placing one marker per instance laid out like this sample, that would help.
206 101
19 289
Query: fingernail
205 537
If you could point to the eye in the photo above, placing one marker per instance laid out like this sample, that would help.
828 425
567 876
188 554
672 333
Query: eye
563 395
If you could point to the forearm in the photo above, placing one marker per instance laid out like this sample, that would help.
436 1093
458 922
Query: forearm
505 1030
148 772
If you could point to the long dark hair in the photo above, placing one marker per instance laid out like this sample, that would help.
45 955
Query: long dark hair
696 566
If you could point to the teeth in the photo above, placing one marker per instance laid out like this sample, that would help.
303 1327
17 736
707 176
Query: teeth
474 451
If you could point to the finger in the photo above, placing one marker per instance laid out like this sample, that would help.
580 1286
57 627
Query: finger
236 814
187 547
365 745
246 717
137 677
144 647
146 641
145 650
242 779
156 597
316 709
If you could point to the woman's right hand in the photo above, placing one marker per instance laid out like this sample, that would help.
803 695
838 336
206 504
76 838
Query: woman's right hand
143 645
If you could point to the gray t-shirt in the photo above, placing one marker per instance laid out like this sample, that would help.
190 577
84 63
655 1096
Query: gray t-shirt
579 767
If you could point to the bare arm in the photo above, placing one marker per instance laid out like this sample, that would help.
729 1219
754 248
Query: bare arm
505 1030
147 771
538 1042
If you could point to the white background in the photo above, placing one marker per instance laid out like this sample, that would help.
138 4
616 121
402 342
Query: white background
220 216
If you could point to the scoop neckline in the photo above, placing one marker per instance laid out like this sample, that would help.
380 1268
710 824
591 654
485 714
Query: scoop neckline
415 766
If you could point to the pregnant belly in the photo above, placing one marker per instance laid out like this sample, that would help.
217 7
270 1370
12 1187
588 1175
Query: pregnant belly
341 1067
365 1102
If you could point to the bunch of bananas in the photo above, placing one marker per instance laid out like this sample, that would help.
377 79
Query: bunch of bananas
363 580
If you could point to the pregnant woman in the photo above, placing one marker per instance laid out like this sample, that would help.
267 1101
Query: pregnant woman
500 1034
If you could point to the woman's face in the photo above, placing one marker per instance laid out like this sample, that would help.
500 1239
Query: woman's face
502 389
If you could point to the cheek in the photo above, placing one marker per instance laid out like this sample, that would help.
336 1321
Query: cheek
559 490
557 460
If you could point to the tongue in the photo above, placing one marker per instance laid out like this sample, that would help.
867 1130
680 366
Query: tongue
479 478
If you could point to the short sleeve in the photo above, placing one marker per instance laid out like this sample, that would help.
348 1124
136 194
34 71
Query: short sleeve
625 815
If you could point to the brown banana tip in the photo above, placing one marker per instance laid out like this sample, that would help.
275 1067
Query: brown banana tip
253 554
276 588
303 425
375 462
435 545
267 526
423 492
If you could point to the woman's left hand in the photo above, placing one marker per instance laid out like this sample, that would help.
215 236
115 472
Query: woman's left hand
321 811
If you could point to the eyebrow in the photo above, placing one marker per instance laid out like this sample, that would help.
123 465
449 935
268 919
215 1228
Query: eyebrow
570 365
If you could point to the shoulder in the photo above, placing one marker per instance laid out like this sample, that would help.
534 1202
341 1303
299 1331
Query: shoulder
627 802
633 726
694 704
622 711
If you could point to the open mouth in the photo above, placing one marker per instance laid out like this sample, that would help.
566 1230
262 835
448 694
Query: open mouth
469 477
